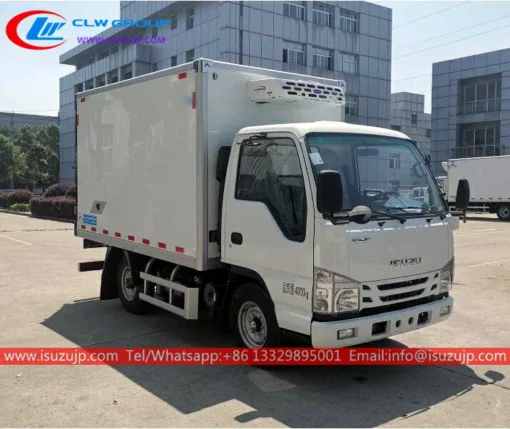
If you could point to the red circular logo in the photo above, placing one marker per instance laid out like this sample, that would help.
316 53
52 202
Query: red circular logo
41 30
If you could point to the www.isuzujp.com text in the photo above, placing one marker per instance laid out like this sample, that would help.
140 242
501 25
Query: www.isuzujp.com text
122 40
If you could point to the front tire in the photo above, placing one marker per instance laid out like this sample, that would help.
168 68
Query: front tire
127 290
504 212
253 319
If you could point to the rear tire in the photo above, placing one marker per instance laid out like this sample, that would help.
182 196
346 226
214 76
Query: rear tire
128 292
253 319
504 212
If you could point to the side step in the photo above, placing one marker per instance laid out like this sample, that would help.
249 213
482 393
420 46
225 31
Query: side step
191 296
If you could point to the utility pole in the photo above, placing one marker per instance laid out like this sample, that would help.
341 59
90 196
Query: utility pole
12 168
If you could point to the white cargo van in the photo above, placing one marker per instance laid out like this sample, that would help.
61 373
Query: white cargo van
240 194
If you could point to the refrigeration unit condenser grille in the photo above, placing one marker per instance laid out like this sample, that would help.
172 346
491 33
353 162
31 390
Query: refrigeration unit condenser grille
271 90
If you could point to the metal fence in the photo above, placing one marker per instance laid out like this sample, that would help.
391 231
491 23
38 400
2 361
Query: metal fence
480 106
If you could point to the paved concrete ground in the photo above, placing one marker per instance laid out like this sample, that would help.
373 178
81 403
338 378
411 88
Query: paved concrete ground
46 302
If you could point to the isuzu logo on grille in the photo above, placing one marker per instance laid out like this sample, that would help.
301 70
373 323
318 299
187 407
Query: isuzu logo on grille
408 262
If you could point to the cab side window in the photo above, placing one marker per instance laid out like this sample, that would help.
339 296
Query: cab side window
270 173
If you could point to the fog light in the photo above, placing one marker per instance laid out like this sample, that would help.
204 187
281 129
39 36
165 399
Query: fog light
342 334
444 310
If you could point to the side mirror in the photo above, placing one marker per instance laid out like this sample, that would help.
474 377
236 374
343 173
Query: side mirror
462 199
329 192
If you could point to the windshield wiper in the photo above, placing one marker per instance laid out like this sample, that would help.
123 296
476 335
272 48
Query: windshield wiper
394 216
424 210
442 215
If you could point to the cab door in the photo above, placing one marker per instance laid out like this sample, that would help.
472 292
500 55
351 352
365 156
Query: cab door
268 222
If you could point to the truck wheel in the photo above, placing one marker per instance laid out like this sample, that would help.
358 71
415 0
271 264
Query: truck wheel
504 212
127 291
252 318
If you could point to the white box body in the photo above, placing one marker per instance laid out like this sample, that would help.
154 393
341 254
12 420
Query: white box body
487 177
147 150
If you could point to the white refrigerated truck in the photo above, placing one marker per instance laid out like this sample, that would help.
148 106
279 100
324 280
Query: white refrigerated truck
239 194
488 182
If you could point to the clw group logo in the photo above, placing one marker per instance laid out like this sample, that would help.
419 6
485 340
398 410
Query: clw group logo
43 32
39 30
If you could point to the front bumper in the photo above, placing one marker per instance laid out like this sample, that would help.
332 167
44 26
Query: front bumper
367 329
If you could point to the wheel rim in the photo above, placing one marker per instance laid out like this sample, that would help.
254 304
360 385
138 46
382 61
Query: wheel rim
504 212
127 285
252 325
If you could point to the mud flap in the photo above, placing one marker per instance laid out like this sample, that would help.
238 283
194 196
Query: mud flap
108 277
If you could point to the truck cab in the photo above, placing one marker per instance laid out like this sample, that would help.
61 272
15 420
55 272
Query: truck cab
341 263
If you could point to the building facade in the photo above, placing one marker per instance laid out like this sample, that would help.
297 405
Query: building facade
14 121
345 40
471 107
408 116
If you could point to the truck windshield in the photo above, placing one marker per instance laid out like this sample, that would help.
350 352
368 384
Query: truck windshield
383 173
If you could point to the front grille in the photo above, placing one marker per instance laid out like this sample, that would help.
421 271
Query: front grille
399 285
373 311
405 295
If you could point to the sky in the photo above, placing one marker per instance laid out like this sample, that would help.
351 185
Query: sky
30 80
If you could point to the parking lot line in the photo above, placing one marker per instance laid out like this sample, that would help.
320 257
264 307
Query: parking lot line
482 231
16 240
490 263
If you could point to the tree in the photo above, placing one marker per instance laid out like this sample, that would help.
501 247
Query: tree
30 156
5 131
37 164
19 168
6 162
25 138
48 136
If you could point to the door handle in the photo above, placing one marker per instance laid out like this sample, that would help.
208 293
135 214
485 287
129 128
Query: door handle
236 238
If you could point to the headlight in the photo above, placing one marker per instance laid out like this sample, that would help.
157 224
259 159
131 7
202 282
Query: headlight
447 275
334 293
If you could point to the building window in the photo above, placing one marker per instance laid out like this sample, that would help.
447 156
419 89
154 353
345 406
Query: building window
351 105
293 53
348 63
154 32
294 9
322 58
414 118
190 18
89 84
78 88
173 61
480 142
114 76
349 21
91 60
101 80
394 185
428 134
173 22
154 67
395 127
127 72
322 14
481 98
190 55
103 54
395 160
